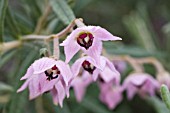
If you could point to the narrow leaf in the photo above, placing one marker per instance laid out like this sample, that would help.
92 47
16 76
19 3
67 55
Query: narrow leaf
5 88
93 106
12 25
3 6
18 100
157 104
62 10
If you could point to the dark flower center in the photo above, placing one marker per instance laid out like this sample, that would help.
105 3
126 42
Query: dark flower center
88 66
101 80
49 73
85 40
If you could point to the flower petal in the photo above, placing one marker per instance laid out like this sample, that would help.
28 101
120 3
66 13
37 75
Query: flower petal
29 73
80 84
45 84
95 74
113 98
95 50
131 91
70 50
24 86
110 72
55 96
107 74
103 34
34 87
61 92
75 68
65 71
43 64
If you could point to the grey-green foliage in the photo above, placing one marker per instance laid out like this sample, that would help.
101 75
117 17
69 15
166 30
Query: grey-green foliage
63 11
18 100
3 6
157 104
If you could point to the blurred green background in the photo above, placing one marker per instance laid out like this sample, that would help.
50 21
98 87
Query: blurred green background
144 26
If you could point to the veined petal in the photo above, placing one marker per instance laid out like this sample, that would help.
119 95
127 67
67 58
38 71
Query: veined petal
138 78
74 34
61 92
70 50
65 71
77 65
45 84
43 64
95 74
113 98
80 84
24 86
55 96
110 72
29 73
131 91
95 50
107 74
34 87
103 34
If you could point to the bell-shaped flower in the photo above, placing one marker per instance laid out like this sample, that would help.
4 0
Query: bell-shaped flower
106 70
140 83
88 39
44 74
80 84
110 93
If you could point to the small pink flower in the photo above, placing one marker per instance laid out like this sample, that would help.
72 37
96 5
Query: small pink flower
80 83
87 38
106 70
141 83
44 74
110 93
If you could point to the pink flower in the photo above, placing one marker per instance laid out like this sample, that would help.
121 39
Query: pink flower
87 38
80 83
110 93
44 74
106 70
141 83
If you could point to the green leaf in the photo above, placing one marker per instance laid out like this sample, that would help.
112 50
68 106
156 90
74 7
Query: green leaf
6 57
18 100
5 88
138 27
158 104
3 6
165 95
12 25
62 10
92 105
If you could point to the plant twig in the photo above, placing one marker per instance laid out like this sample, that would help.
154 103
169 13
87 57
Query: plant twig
56 48
132 61
13 44
159 67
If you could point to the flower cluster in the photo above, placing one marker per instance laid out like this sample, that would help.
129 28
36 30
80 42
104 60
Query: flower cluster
56 76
